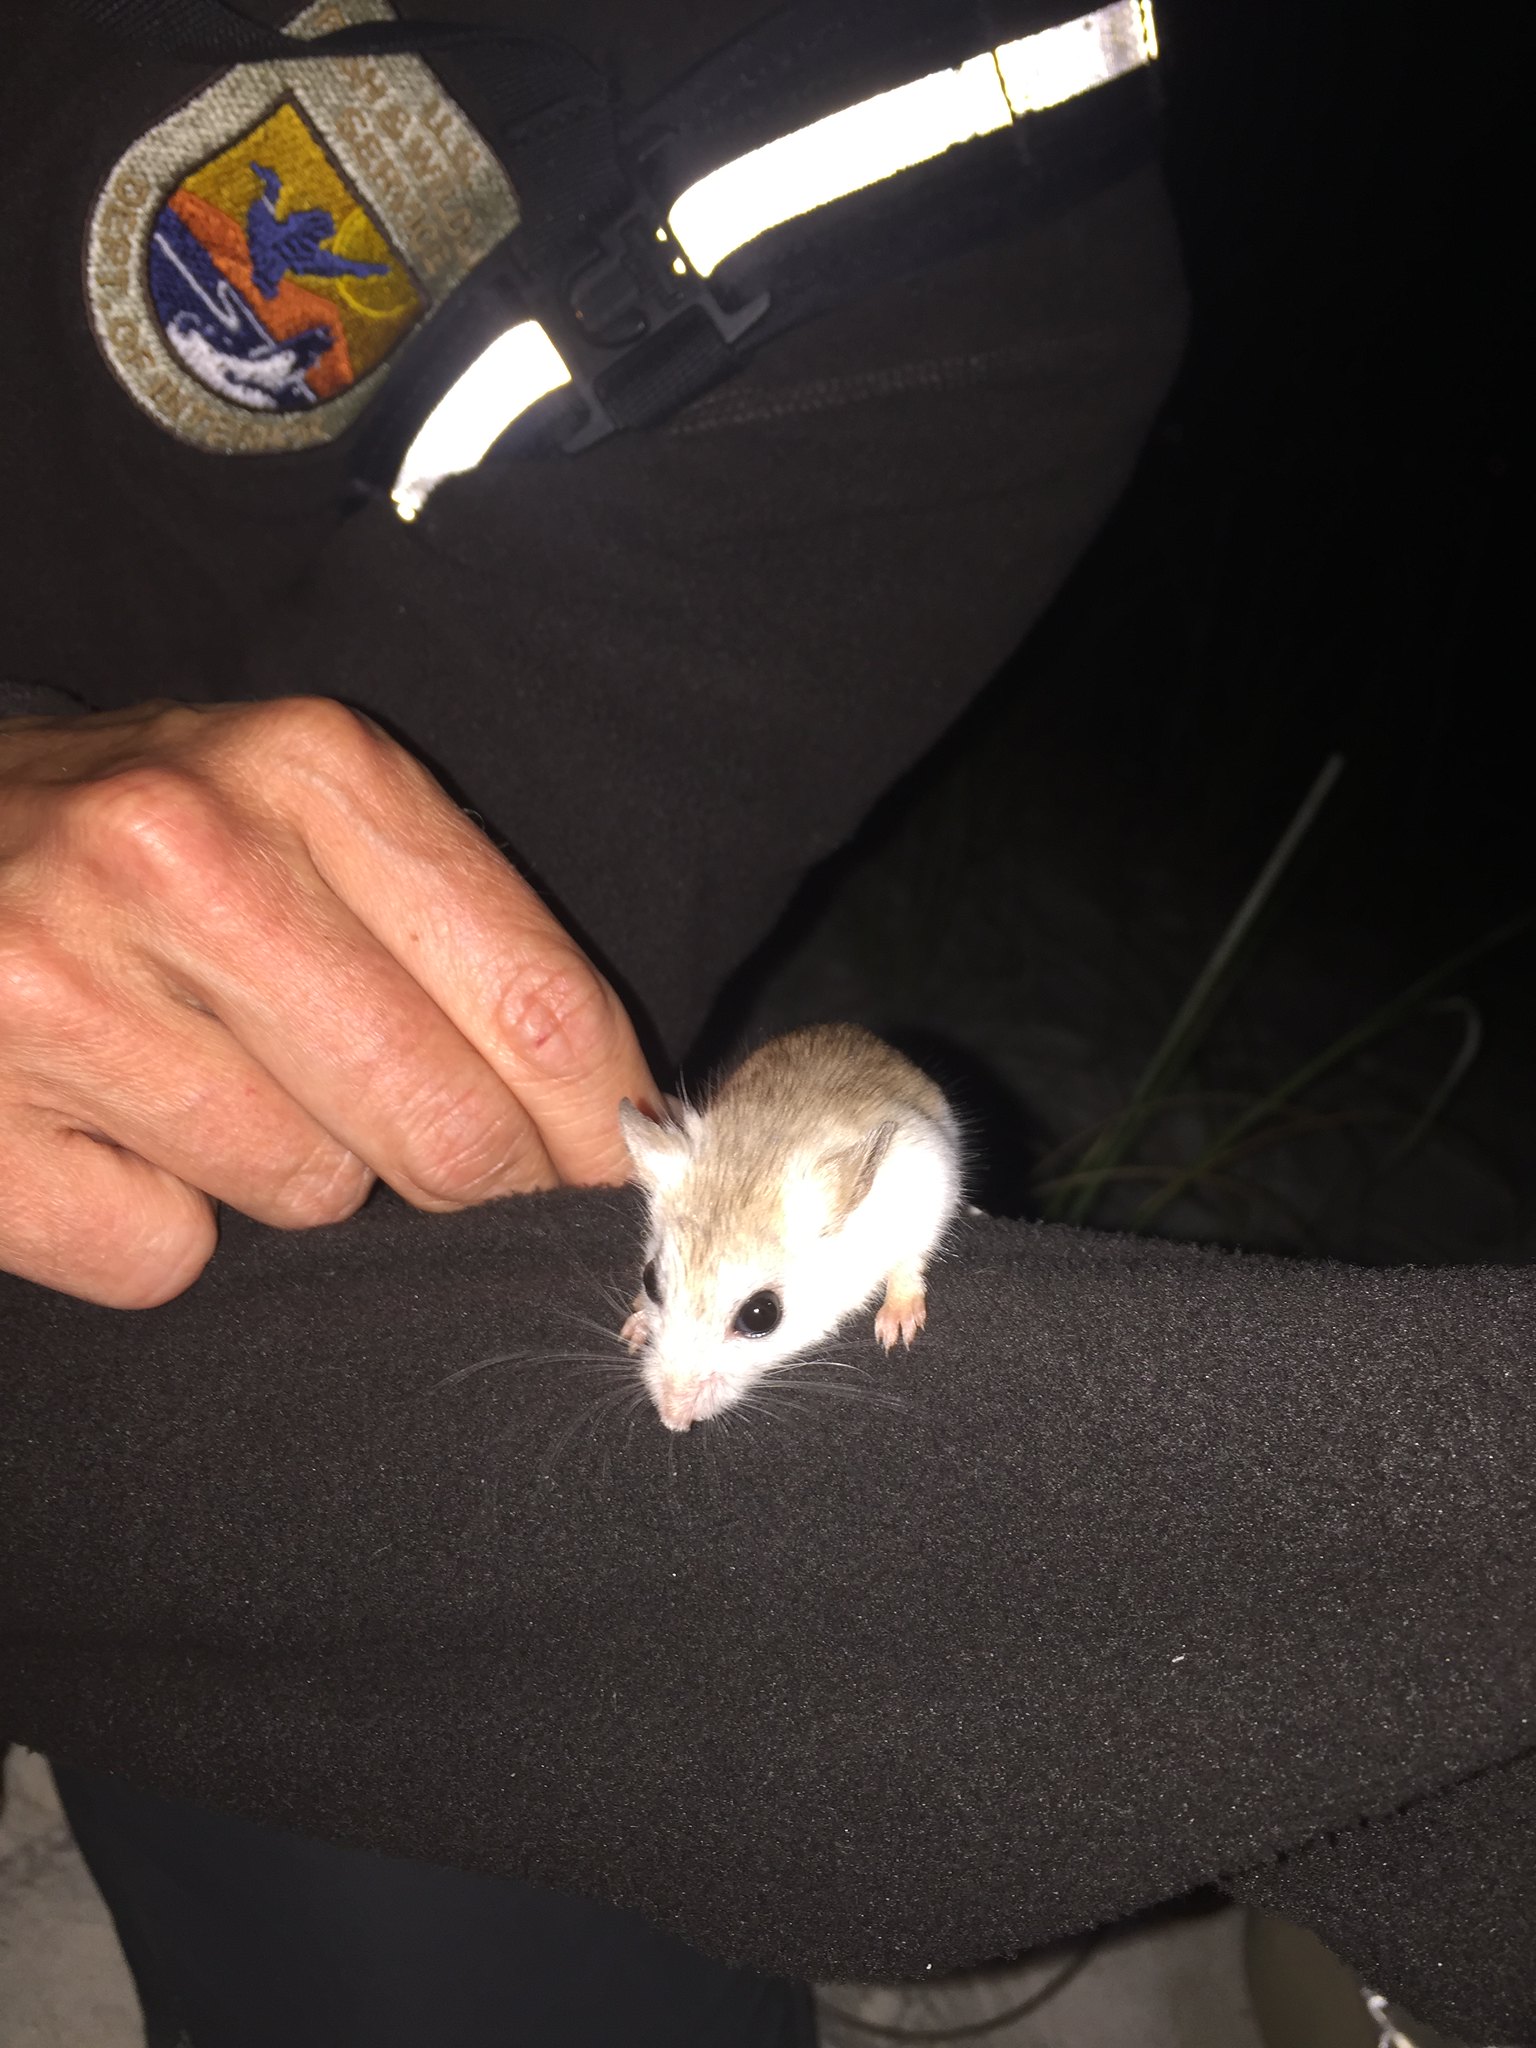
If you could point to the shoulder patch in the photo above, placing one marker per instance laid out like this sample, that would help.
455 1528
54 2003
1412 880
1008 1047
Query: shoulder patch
254 259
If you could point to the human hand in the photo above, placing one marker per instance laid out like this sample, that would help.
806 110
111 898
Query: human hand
252 953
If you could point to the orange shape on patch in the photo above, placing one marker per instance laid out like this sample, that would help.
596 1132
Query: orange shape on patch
291 308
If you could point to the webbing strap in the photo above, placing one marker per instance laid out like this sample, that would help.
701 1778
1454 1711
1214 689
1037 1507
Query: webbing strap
215 32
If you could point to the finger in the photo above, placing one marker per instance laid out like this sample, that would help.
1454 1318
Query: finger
478 939
172 1086
86 1219
229 913
338 1025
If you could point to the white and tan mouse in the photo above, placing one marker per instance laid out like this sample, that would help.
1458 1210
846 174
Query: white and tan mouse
825 1169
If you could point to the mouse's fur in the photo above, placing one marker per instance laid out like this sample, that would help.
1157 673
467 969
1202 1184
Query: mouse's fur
825 1167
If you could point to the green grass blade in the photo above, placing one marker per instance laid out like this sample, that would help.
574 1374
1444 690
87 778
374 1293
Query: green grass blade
1390 1013
1195 1014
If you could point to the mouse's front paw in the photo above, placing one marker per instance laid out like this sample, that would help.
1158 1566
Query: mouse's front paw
904 1310
637 1326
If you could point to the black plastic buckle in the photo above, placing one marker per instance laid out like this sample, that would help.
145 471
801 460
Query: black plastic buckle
618 295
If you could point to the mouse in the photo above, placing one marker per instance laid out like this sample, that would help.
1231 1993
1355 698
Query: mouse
823 1171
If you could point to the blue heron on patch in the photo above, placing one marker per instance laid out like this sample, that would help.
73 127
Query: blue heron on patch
280 246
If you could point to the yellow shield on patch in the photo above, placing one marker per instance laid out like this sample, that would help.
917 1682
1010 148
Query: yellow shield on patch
256 258
270 279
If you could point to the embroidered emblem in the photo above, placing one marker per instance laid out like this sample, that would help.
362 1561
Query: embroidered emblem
253 261
270 309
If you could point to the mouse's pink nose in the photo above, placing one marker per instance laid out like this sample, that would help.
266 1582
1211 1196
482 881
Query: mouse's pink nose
676 1401
684 1399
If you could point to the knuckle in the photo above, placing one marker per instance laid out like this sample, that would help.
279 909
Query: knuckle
37 984
311 730
141 1250
465 1154
327 1187
154 823
165 1264
556 1017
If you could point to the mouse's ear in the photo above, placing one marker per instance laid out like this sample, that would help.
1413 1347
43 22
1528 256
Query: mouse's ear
659 1151
849 1173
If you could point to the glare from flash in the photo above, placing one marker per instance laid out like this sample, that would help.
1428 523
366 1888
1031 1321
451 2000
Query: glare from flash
517 369
839 154
1056 64
910 125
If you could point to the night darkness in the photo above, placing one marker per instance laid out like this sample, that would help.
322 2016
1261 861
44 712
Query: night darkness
1338 460
1317 556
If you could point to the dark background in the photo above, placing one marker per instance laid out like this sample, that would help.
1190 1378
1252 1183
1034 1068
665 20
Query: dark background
1317 556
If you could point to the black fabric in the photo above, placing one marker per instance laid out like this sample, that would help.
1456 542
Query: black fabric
245 1937
798 62
37 700
1169 1560
211 32
1448 1876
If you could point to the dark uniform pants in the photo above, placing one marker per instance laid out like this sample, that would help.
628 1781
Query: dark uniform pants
247 1937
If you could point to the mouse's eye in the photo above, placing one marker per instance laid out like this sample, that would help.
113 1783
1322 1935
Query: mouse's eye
758 1314
649 1281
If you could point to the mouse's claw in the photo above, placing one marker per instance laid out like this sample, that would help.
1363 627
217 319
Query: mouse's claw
637 1326
904 1310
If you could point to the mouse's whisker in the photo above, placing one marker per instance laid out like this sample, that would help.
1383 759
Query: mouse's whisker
778 1403
862 1379
608 1332
607 1290
619 1360
608 1402
788 1376
463 1372
584 1360
839 1390
742 1413
622 1369
800 1360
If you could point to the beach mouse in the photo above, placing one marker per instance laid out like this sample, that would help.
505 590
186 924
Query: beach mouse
824 1169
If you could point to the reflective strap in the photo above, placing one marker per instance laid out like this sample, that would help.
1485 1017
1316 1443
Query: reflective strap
910 125
519 368
841 154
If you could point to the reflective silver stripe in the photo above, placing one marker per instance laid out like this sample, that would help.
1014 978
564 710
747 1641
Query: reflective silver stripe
910 125
521 366
815 165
